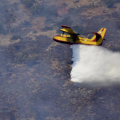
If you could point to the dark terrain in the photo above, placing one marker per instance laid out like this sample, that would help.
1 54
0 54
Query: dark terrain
35 71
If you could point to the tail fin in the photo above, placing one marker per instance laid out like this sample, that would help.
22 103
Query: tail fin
98 36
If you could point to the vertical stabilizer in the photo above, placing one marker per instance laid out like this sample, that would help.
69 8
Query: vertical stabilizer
98 36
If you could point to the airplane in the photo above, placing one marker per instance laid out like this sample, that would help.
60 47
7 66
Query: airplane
74 38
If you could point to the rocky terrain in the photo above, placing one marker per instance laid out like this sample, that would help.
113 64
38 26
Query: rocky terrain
35 81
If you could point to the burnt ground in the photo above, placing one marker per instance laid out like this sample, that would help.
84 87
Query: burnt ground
35 71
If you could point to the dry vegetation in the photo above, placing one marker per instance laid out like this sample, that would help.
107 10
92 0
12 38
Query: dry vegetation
35 71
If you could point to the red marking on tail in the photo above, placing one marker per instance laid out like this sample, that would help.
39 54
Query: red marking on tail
102 29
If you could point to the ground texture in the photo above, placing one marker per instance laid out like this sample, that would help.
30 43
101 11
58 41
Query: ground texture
35 71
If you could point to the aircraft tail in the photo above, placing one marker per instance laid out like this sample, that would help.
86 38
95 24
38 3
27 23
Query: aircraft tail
98 36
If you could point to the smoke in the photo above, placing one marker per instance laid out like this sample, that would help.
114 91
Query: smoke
95 66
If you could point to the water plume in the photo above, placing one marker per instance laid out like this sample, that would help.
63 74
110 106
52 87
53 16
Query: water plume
95 66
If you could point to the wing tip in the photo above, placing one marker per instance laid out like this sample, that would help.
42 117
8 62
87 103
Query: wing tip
65 26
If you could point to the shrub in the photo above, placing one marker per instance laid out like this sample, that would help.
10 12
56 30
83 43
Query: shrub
24 57
26 23
15 6
118 24
35 31
47 28
32 57
35 9
28 3
110 3
15 37
2 29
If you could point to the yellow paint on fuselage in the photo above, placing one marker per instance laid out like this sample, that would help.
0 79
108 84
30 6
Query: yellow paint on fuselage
80 40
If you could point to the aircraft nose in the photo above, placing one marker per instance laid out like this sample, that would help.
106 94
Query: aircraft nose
54 38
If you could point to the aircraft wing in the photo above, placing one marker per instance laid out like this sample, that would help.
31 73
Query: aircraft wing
68 30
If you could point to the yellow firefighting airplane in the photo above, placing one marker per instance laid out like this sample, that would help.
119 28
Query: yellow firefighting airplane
73 37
